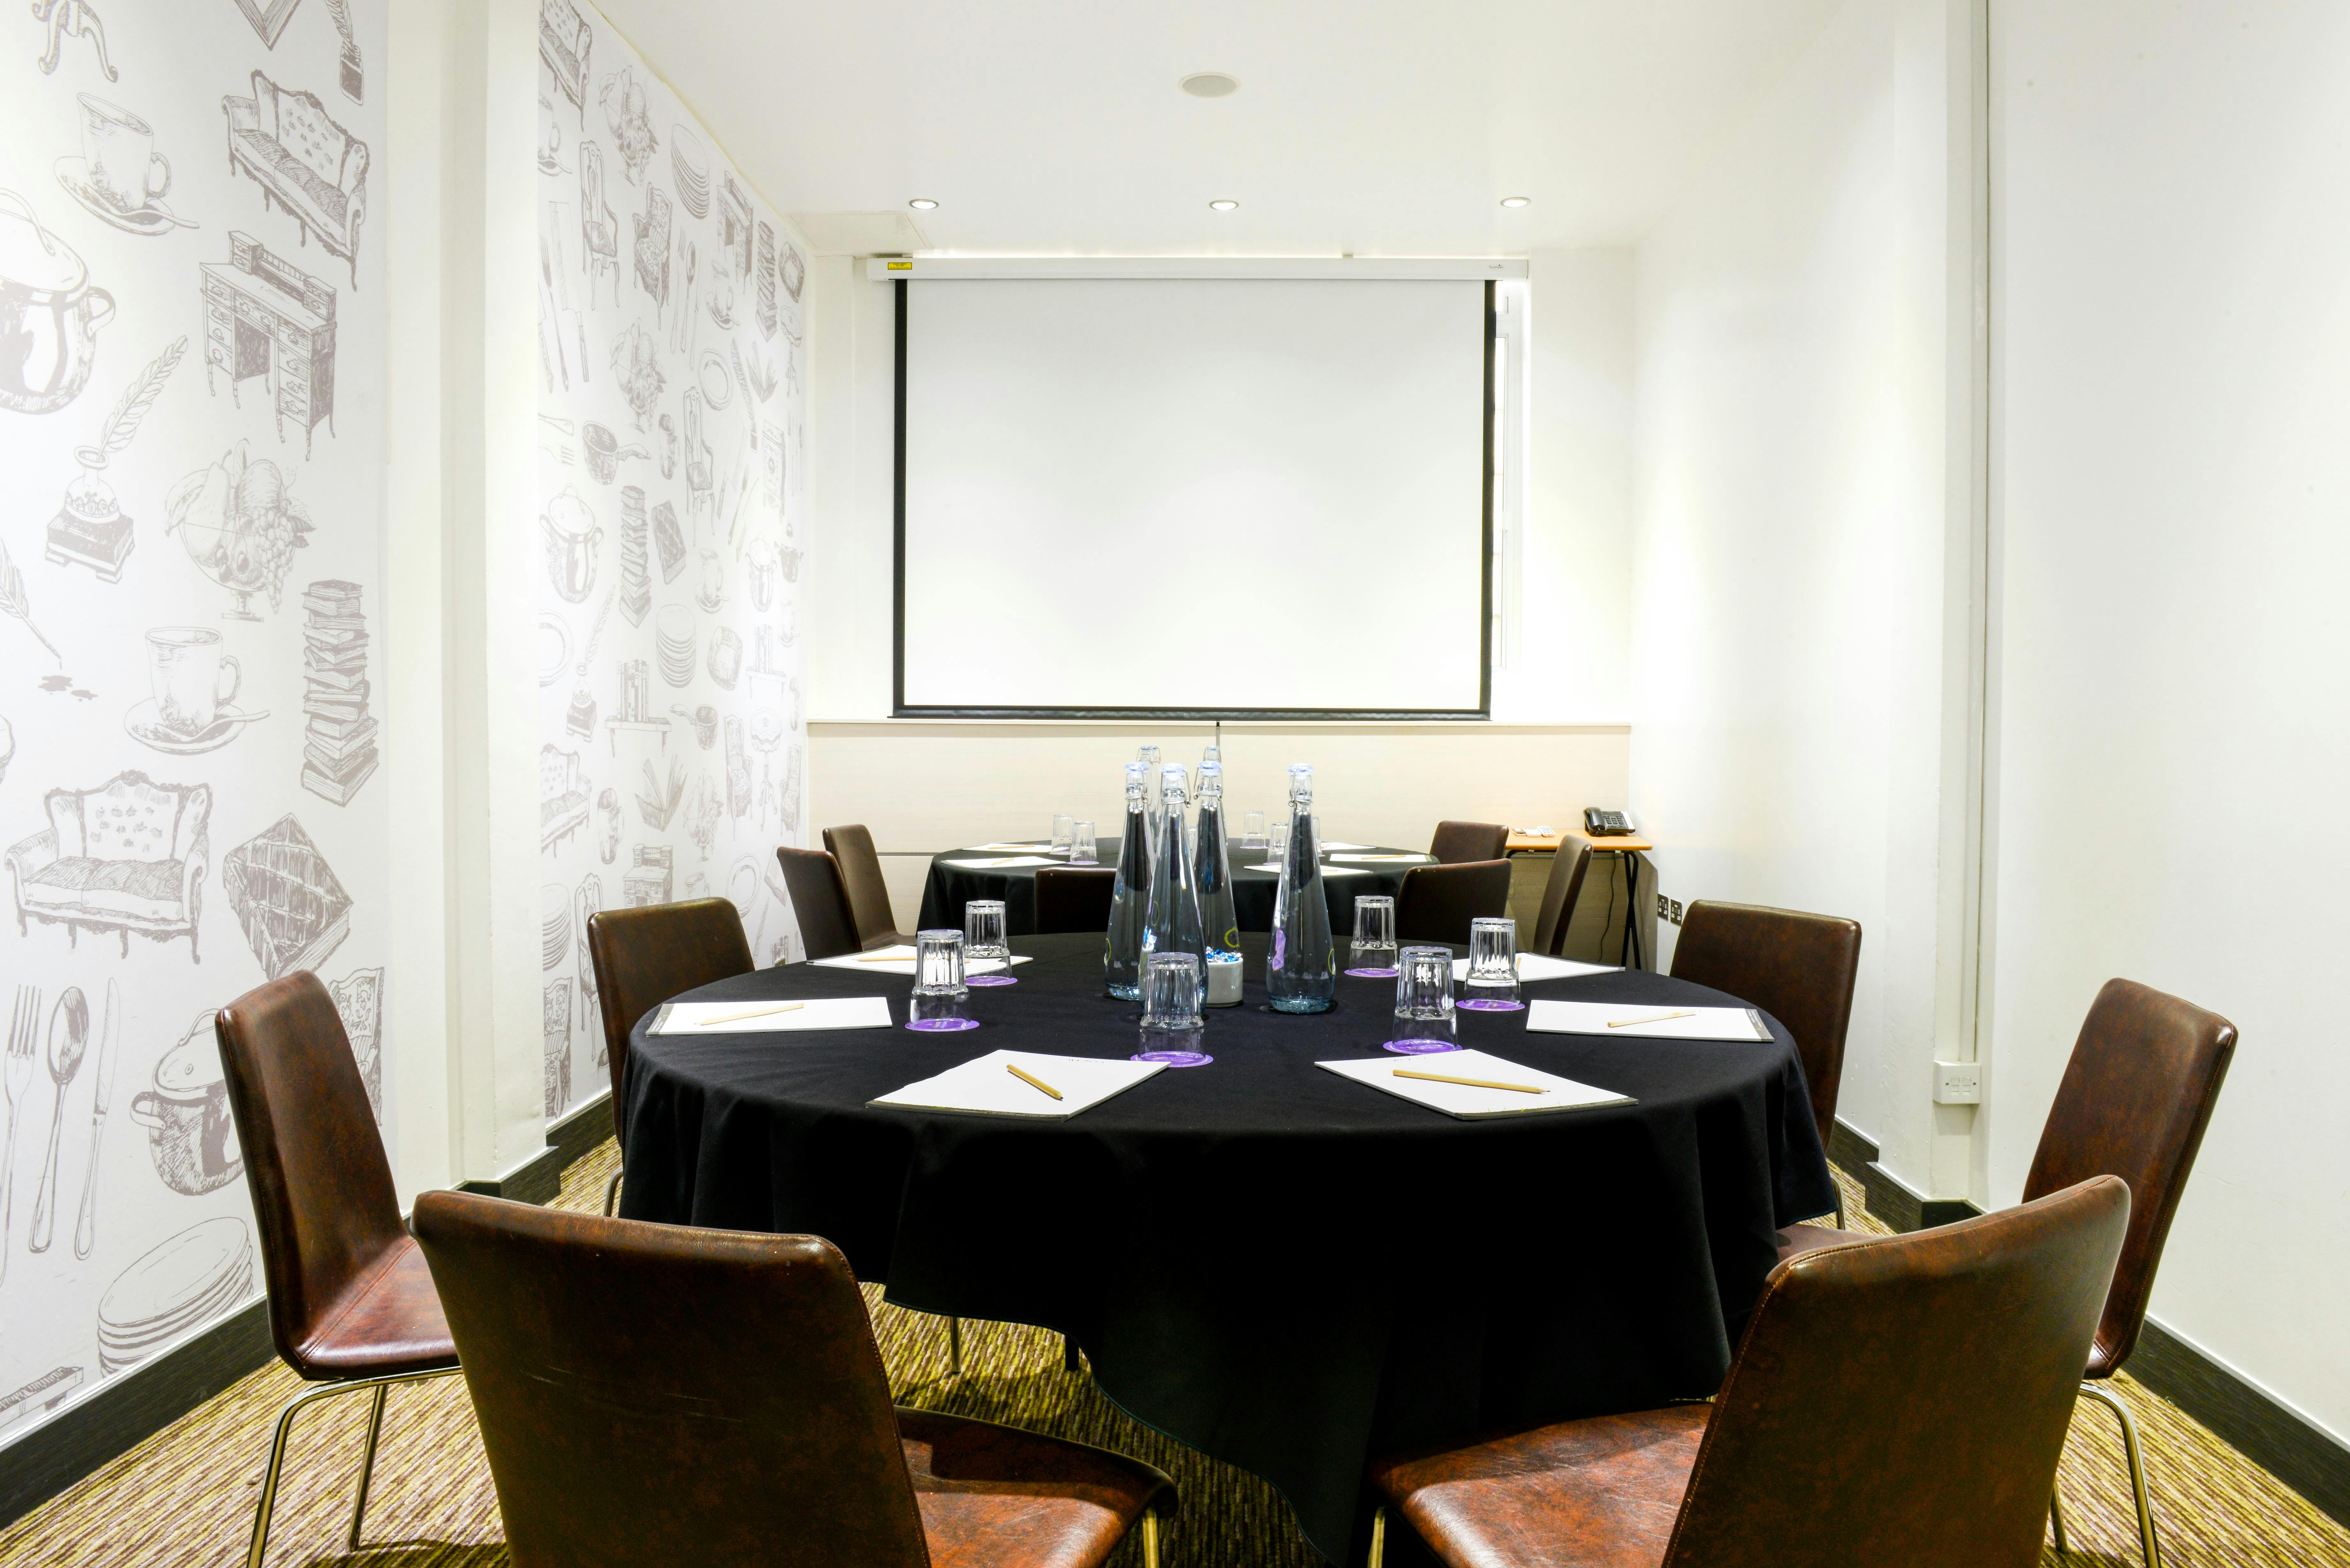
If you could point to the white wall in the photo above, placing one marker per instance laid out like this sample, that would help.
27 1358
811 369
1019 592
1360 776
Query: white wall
2173 479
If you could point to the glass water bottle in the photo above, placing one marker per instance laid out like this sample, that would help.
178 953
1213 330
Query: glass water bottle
1122 954
1211 871
1172 924
1154 809
1302 973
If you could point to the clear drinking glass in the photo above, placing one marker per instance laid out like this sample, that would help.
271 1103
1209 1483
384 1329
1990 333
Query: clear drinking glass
1081 843
1373 953
940 994
1252 829
1423 1005
1492 983
983 942
1276 844
1065 829
1173 1025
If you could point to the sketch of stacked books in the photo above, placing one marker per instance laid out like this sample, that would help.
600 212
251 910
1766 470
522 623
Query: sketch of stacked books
636 582
339 749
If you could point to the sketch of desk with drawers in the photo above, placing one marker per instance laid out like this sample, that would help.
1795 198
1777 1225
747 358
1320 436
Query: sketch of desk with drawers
265 316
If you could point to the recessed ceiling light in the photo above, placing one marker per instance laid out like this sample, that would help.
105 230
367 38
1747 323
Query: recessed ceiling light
921 203
1209 84
1506 202
1224 204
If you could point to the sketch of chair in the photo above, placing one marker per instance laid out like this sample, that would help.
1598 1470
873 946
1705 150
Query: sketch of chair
127 856
652 249
698 461
588 903
562 797
564 41
600 227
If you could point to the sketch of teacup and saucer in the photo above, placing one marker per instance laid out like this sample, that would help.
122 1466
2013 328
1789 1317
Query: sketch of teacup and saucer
117 176
193 680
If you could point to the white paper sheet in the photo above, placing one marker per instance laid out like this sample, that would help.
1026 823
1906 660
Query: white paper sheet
1327 848
1383 859
1000 863
1690 1023
983 1086
1275 867
1533 967
814 1012
1032 848
1472 1104
899 960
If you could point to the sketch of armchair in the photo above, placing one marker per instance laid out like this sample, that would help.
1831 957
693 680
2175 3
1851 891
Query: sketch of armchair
564 41
600 229
127 856
311 166
699 462
562 797
652 249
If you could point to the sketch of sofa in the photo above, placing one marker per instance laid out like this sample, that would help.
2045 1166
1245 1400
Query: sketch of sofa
311 166
652 249
127 856
562 797
564 41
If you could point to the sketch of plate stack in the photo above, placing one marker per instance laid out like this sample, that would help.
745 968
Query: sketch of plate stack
555 925
691 166
183 1284
673 635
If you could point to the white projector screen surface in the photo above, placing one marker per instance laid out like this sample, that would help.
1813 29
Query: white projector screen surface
1193 496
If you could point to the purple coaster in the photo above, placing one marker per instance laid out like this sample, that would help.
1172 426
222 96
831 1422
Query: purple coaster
1419 1047
1484 1005
1173 1058
1372 973
933 1025
989 980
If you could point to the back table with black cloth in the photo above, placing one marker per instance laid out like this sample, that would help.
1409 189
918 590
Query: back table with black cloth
951 886
1283 1268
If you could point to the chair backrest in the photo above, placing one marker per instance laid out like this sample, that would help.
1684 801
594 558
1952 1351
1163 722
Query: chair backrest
860 874
1798 968
819 902
663 1393
1456 843
1905 1400
1436 902
321 1185
1567 869
641 958
2135 1100
1074 898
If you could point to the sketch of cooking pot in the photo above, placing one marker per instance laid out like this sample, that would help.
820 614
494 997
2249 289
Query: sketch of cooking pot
572 540
605 451
190 1132
49 314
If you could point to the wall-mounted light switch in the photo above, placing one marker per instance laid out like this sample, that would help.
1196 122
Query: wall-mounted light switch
1958 1083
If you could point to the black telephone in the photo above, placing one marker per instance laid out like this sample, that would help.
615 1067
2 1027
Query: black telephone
1606 824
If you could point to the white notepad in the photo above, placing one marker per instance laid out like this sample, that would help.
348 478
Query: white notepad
1533 967
999 863
1327 848
1469 1103
983 1084
1382 859
814 1012
1328 870
1016 848
1691 1022
899 960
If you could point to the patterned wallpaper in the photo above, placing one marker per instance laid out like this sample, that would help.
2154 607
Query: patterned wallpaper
192 351
672 491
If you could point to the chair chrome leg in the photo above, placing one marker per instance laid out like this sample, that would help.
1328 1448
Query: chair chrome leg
1150 1538
2056 1520
954 1346
367 1457
1378 1536
310 1396
612 1195
2131 1452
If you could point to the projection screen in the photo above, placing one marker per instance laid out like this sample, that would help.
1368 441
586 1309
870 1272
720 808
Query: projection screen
1129 497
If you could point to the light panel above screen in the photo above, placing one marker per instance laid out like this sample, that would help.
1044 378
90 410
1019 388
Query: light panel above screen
1212 496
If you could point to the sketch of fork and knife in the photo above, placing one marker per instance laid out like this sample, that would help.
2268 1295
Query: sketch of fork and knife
16 1078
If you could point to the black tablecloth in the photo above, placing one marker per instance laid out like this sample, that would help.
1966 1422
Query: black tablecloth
1282 1268
949 887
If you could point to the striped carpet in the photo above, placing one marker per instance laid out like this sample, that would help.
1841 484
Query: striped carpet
185 1497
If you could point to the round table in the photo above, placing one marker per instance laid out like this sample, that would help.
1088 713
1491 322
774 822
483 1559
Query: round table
1284 1269
952 885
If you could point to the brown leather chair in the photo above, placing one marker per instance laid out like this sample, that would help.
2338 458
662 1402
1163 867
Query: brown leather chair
1074 898
644 957
1798 968
1436 903
2135 1100
1833 1439
1456 843
351 1304
851 848
665 1394
819 902
1567 869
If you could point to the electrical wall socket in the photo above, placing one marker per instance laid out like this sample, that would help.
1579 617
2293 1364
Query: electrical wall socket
1958 1083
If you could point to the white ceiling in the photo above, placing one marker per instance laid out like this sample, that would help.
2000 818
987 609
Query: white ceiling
1375 127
